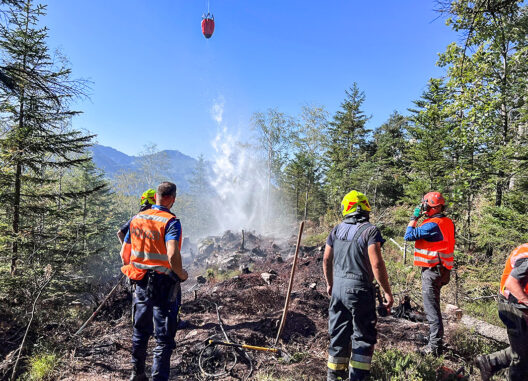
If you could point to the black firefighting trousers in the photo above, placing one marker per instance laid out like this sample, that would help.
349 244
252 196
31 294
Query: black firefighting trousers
516 356
352 325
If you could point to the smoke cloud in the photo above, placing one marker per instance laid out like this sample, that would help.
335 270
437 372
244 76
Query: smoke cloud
217 110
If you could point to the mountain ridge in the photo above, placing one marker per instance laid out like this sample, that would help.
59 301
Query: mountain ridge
178 166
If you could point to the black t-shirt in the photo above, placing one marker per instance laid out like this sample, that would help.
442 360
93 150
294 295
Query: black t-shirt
346 231
520 271
126 227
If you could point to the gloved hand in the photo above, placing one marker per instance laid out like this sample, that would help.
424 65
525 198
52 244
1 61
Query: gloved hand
416 214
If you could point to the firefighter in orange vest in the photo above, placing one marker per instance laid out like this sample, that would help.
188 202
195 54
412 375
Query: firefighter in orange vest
513 311
434 248
152 261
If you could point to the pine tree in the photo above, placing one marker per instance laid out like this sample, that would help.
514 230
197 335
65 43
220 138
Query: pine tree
36 116
348 147
429 152
389 162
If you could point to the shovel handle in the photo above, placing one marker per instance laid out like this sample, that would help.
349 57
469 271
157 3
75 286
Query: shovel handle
245 346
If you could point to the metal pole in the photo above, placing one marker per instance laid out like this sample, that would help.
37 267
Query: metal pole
287 302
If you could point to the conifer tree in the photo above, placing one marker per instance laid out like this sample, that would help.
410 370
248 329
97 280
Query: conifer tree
348 147
36 120
429 151
389 162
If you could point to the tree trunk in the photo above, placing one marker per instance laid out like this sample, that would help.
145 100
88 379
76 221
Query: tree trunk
306 204
84 223
16 217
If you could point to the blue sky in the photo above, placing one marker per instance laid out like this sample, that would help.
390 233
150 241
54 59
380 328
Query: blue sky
156 78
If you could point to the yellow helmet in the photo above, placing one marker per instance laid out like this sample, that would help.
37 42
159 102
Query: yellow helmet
352 200
148 197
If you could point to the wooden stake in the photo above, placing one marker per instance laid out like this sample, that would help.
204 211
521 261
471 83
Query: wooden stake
287 302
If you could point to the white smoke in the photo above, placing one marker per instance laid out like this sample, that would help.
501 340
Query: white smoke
217 111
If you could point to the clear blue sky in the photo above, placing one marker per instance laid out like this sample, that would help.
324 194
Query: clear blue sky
156 78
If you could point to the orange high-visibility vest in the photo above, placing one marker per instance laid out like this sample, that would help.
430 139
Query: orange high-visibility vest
431 254
518 253
148 249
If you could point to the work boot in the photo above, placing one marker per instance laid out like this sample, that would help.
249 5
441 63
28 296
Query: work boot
135 376
485 367
430 350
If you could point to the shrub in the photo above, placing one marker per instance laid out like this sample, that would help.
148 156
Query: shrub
395 365
468 344
42 366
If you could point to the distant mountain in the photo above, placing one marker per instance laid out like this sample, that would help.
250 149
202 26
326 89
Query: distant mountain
112 162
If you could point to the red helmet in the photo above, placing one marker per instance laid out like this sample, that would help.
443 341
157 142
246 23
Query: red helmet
433 199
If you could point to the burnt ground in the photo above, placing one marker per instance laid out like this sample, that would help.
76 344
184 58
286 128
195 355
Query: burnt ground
250 310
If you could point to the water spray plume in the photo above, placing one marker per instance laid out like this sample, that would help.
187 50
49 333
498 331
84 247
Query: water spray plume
241 187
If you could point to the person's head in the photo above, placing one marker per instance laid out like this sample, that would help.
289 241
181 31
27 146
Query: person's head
166 194
148 198
433 203
355 203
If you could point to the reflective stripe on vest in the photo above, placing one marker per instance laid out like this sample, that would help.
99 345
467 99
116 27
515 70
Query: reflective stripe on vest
161 269
519 253
147 235
431 254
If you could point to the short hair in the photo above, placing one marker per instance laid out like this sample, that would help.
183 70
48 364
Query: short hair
166 189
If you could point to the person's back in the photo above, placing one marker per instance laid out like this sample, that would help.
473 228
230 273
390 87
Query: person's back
352 260
152 261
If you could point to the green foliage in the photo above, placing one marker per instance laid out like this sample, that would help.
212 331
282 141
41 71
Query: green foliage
483 309
502 228
298 357
215 274
42 366
315 239
395 365
479 286
467 344
348 148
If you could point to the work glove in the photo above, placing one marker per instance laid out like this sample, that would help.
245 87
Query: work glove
416 214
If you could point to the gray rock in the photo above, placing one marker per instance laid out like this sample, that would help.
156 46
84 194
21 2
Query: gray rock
258 252
268 277
244 269
205 248
231 262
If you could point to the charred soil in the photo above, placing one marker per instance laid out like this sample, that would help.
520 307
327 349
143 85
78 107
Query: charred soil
250 310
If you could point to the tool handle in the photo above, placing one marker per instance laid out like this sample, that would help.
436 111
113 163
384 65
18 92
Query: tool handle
264 349
245 346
